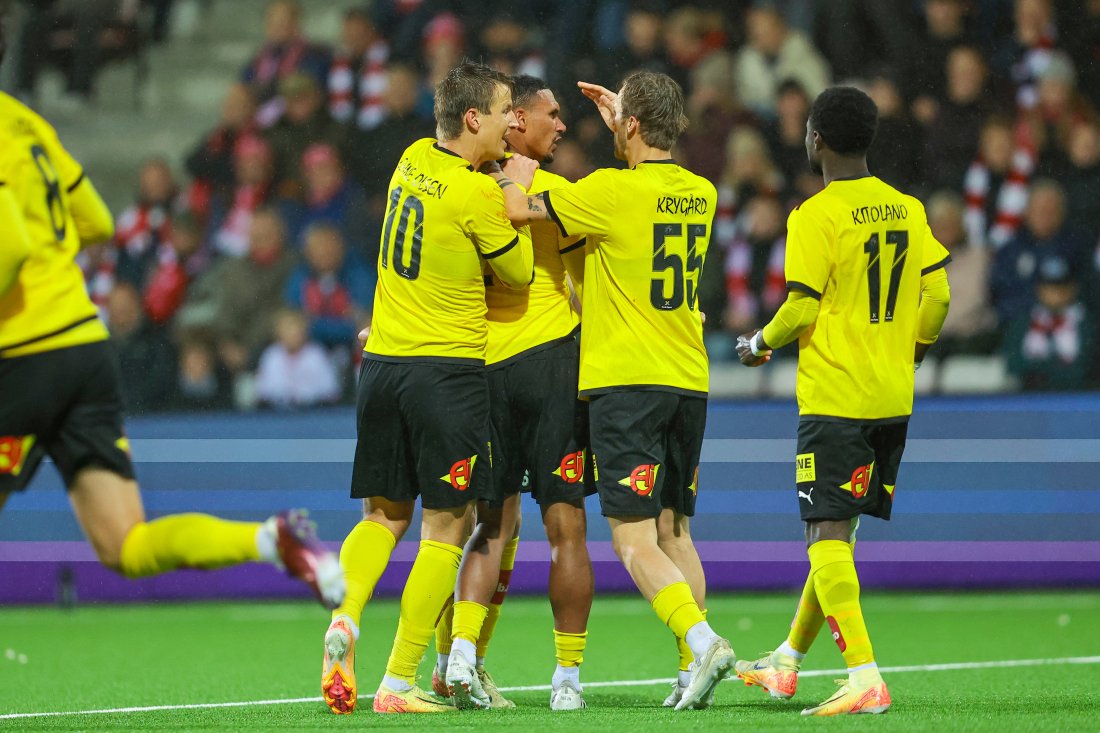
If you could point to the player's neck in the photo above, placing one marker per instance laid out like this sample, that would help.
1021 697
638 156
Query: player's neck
844 167
636 154
465 148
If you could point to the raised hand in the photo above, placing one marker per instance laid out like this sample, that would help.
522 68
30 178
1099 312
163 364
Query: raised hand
604 100
521 169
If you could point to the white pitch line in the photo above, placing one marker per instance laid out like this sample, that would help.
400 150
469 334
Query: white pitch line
950 667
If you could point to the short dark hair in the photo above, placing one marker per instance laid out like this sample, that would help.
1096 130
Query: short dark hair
657 101
525 88
846 119
468 85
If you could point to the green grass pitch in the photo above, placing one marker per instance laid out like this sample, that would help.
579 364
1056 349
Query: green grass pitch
111 657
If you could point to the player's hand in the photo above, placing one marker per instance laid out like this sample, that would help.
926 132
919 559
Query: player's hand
604 100
521 169
744 350
490 168
364 335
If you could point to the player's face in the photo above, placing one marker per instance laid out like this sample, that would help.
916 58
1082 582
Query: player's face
812 152
496 124
544 128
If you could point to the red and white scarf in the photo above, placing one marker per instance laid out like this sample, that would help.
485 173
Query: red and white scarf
1026 71
1011 200
739 290
232 237
368 110
1054 335
140 226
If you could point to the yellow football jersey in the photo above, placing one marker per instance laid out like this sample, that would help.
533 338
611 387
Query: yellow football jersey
648 230
860 246
48 307
521 320
442 219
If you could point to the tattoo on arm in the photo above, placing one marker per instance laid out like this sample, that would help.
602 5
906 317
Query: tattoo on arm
536 206
505 182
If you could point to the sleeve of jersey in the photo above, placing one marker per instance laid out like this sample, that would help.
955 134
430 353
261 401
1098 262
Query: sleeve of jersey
934 256
584 207
572 257
935 299
93 219
508 252
13 233
798 312
806 261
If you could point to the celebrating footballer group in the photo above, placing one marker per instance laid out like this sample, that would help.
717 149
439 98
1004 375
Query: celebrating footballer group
532 334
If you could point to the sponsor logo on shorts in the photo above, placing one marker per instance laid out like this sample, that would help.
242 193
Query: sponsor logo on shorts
571 468
461 473
837 636
804 469
807 495
642 479
13 453
693 487
861 481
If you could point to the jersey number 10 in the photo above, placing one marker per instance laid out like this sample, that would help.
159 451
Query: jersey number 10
411 206
663 261
900 239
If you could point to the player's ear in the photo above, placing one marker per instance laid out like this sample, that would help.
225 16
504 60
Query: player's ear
521 118
472 118
632 126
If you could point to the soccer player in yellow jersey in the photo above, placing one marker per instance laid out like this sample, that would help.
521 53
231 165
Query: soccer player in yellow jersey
643 363
539 442
59 382
423 405
867 297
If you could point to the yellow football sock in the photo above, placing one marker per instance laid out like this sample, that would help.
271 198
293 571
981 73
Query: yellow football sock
807 620
837 586
431 582
507 564
686 655
468 618
443 628
187 541
569 648
363 556
677 609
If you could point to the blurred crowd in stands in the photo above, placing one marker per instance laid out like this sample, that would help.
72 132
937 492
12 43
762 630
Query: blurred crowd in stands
246 282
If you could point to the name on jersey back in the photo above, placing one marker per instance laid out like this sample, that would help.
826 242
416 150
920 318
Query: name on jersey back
879 212
422 182
683 205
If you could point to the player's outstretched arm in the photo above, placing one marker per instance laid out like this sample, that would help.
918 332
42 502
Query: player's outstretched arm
94 222
604 99
13 233
798 312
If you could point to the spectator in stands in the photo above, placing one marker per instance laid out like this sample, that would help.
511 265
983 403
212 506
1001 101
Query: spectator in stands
896 155
642 29
251 291
755 285
942 29
332 197
443 45
507 46
773 54
373 155
787 140
147 223
859 34
285 51
98 263
1023 55
1058 109
145 357
1082 180
971 325
1044 232
231 212
996 185
333 290
406 23
1082 40
210 162
178 261
294 371
201 382
305 122
713 111
749 172
357 77
76 28
1050 346
685 42
953 124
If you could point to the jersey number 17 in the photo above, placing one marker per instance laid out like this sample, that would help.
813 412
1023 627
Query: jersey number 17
900 239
